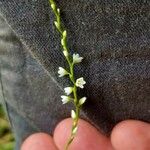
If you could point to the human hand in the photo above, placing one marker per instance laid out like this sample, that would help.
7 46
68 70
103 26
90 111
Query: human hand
127 135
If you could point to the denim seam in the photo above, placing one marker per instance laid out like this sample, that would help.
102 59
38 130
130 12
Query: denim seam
34 55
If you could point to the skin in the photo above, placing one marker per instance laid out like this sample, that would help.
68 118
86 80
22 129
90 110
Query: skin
127 135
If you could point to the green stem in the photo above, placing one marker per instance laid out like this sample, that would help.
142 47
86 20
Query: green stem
74 125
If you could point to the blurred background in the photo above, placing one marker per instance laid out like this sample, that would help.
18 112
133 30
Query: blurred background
7 141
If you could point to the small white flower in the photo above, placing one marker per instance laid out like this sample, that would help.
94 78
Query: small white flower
62 72
68 90
73 114
80 82
75 130
65 53
77 58
82 101
65 99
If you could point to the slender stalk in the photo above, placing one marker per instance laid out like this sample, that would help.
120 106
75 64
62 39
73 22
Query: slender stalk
74 125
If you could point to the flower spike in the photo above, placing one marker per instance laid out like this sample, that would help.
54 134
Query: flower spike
76 83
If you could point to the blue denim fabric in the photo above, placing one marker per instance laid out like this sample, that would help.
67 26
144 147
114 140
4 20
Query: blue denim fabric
112 36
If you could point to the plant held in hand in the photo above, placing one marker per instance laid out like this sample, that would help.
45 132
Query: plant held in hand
76 83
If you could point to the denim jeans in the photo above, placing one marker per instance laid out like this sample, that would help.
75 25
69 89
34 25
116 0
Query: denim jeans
112 36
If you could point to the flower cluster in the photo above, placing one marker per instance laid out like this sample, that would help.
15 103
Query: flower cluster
78 83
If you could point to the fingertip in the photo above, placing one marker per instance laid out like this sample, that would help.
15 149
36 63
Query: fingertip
61 133
87 136
131 134
39 141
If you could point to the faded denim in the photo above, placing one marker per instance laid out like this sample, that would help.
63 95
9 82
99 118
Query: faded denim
112 36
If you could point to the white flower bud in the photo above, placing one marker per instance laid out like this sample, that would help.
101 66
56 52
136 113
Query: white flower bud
75 130
62 42
65 53
64 34
73 114
53 6
56 24
58 10
82 101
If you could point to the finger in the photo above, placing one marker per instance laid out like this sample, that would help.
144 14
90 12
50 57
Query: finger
87 138
39 141
131 135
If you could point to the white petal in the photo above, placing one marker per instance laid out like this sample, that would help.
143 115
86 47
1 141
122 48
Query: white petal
68 90
62 72
80 82
65 99
77 58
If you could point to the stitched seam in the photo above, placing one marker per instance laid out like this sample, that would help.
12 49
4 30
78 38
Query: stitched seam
34 55
29 120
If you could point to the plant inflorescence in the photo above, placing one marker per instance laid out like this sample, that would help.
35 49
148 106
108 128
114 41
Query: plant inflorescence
71 91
